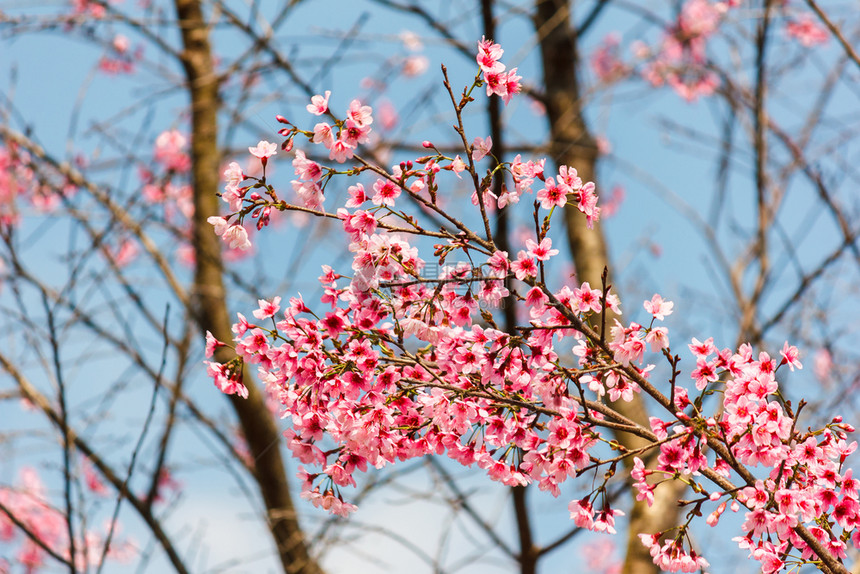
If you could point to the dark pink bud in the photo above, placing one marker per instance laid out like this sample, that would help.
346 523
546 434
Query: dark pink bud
427 144
282 120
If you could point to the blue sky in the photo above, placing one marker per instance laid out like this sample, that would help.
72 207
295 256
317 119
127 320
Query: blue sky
71 109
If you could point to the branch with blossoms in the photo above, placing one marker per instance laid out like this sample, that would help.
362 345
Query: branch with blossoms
396 364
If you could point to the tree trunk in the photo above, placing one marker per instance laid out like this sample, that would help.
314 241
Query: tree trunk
257 423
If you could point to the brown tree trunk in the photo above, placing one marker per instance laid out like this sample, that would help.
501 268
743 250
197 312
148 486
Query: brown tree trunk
571 144
257 423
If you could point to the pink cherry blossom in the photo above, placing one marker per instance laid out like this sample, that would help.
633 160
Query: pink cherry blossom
170 151
360 114
658 307
481 147
400 358
457 166
524 267
264 150
236 237
267 308
489 55
386 192
552 195
319 104
542 251
605 61
807 31
323 135
341 151
220 224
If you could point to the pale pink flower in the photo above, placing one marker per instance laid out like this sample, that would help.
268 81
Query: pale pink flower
481 147
699 18
233 175
415 66
340 151
658 307
357 195
306 168
387 115
360 114
605 62
323 135
219 223
499 263
582 513
457 166
411 41
170 150
121 43
658 338
211 344
236 237
264 150
790 356
822 365
319 104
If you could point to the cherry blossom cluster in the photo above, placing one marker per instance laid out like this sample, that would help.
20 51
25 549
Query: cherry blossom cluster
19 180
88 9
606 60
504 84
395 363
351 132
806 30
806 482
164 185
16 178
120 58
680 59
167 189
46 526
